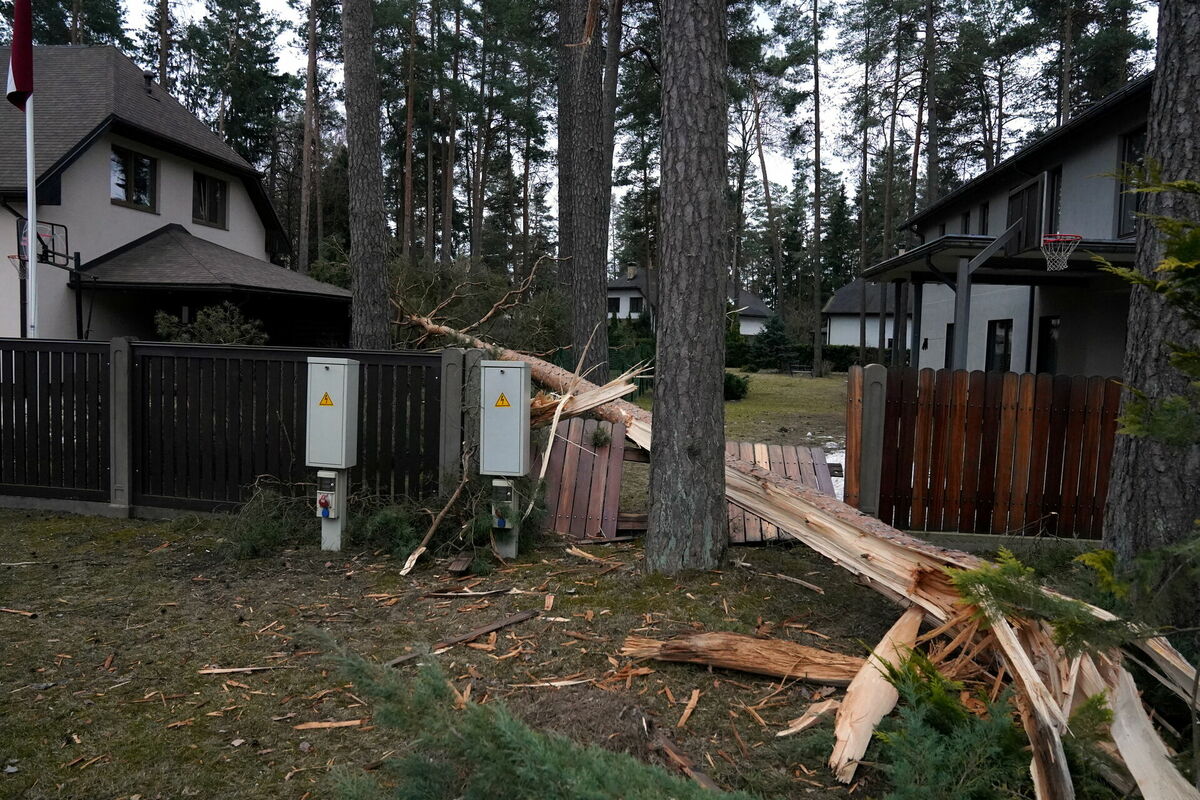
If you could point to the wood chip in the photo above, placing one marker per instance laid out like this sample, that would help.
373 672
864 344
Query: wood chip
18 611
815 713
691 706
229 670
320 726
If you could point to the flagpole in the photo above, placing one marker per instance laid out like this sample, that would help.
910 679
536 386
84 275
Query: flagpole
31 240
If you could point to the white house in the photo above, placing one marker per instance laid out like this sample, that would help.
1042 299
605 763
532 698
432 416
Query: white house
162 213
982 295
629 298
841 321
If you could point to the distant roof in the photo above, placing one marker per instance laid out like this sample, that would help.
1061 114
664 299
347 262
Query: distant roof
172 258
751 304
846 299
82 92
1134 95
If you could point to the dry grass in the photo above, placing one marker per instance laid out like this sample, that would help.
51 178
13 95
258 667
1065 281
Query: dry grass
128 612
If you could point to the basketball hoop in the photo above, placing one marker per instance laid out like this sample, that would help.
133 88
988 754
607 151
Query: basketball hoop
1057 248
19 265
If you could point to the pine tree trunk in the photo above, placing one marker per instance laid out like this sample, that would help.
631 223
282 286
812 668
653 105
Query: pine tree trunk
1153 498
1067 47
370 324
772 223
688 517
739 225
818 365
306 155
862 195
164 43
591 193
889 166
566 89
915 166
408 234
448 158
76 22
318 173
933 164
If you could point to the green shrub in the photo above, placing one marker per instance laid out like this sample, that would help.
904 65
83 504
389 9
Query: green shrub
219 324
483 751
397 529
269 521
736 386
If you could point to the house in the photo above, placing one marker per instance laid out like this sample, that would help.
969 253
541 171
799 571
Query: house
162 214
629 298
840 317
982 294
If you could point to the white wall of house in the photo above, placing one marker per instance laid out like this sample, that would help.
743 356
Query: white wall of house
96 226
623 297
751 326
844 329
987 303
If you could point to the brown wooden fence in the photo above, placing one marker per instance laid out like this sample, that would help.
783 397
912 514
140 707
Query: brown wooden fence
982 452
54 424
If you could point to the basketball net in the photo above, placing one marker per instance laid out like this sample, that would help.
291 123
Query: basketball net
19 265
1057 248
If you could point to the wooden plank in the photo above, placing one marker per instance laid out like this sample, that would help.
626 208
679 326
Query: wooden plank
26 377
791 462
204 467
960 383
1043 397
221 438
384 444
821 466
583 480
72 434
1060 403
1090 456
1023 446
412 482
612 491
939 449
250 426
922 450
854 390
775 457
1108 438
195 456
8 462
1073 455
233 424
972 447
558 450
466 637
566 492
41 408
597 491
737 514
989 449
405 428
1004 457
808 471
888 476
905 445
753 525
430 456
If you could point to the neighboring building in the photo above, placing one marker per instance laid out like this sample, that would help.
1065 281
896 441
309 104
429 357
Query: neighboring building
629 298
840 316
163 214
979 269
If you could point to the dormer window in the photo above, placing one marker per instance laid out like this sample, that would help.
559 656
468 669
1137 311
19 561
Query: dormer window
133 179
209 200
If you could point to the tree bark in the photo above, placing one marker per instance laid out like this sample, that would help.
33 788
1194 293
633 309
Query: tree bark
862 195
370 324
818 365
889 166
772 224
566 137
1065 54
164 43
1153 500
306 155
408 234
448 158
688 517
933 164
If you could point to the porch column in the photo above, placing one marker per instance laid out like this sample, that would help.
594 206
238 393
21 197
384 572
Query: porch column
962 313
882 353
900 332
917 292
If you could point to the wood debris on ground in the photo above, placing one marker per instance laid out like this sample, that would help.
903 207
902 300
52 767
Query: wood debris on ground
912 572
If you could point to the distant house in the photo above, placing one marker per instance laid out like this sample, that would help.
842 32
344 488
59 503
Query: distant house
163 214
982 296
840 316
629 298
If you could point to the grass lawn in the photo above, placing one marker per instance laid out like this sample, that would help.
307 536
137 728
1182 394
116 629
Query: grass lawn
102 695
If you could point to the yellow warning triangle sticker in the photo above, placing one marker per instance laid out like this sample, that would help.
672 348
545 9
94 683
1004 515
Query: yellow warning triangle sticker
326 400
502 401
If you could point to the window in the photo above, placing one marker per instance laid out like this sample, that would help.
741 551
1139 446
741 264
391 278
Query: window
1054 200
614 305
133 179
942 229
984 208
949 360
999 344
635 305
1047 349
1025 206
966 222
1133 150
209 200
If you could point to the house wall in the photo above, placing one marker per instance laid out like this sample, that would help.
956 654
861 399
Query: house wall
844 329
95 226
987 303
751 326
625 295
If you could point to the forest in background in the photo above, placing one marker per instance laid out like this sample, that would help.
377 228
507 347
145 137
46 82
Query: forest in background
929 94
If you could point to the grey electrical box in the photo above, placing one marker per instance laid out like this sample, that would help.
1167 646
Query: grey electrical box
504 418
332 413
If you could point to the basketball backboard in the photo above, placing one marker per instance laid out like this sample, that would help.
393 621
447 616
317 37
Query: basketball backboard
51 243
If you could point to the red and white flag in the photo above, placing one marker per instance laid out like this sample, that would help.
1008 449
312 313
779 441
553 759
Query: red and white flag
20 59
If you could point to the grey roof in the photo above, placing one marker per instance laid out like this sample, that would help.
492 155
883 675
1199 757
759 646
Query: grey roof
172 258
846 299
1126 103
751 304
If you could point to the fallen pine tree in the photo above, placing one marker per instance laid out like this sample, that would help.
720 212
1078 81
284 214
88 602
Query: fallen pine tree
1049 683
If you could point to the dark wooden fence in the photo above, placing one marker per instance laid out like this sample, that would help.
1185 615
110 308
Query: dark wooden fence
992 452
193 427
54 424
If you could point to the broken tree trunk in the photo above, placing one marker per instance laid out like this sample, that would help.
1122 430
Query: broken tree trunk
774 657
871 697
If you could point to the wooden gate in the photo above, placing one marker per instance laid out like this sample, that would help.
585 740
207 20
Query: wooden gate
982 452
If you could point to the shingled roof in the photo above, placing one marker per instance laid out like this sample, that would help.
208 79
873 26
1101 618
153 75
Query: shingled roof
82 92
172 258
846 300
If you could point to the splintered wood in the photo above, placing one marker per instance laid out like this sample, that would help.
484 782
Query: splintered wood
911 572
774 657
